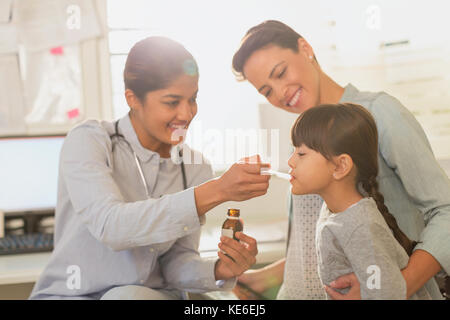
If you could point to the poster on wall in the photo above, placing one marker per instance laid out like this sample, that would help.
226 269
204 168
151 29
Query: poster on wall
53 86
44 24
11 97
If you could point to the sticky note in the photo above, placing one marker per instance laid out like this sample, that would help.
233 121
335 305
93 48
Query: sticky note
57 51
73 113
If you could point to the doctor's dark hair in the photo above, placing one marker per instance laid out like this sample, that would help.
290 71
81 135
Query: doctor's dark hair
154 62
335 129
270 32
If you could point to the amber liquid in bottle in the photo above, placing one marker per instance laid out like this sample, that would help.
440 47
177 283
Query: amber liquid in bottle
232 224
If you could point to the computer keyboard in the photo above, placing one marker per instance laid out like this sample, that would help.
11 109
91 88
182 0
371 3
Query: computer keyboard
26 243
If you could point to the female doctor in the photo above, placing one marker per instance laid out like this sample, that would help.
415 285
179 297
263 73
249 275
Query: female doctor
129 210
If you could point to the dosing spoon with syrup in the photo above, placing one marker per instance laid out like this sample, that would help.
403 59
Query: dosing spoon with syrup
282 175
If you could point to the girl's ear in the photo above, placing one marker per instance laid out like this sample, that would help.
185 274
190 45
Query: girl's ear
344 165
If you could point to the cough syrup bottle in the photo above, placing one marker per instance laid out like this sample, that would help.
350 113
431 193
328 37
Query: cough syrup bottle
232 224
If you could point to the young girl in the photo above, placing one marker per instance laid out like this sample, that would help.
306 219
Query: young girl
336 157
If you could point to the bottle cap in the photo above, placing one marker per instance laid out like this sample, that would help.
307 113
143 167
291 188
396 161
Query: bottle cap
233 212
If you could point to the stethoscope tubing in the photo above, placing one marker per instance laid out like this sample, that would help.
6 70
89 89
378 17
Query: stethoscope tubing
116 134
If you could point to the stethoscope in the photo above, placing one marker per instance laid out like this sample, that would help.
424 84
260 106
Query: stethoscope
138 165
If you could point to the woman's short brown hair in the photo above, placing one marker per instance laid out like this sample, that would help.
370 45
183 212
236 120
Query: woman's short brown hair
270 32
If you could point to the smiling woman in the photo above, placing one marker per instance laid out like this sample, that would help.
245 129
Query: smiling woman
161 92
124 206
292 75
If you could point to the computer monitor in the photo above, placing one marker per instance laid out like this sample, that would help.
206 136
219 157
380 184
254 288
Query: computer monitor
29 173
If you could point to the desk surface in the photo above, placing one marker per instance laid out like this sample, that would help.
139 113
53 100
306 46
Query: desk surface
22 268
26 268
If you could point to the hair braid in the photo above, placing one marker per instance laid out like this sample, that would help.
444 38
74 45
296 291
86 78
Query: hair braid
371 187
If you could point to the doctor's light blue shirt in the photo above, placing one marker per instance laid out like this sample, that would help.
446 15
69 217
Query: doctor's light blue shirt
109 230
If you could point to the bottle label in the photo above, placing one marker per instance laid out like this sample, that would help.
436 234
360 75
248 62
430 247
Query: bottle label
227 233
